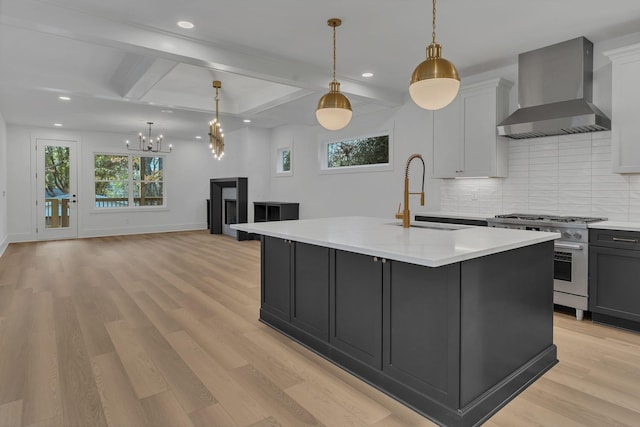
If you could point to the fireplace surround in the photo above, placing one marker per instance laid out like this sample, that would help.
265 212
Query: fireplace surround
220 204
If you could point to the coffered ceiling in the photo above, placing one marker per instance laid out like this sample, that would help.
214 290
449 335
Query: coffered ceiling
125 62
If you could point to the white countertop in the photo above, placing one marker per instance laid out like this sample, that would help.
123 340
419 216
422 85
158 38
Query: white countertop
386 238
616 225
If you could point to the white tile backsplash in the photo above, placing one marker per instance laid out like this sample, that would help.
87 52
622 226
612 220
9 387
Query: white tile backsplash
565 175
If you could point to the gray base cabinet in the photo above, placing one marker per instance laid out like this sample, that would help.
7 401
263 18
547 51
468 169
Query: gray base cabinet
276 276
295 285
357 307
614 289
421 341
456 343
310 290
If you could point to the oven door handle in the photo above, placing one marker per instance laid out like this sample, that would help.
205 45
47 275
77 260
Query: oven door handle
567 246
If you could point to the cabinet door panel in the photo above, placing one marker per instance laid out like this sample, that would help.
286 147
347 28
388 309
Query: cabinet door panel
421 328
625 126
447 141
310 310
480 133
276 276
357 305
614 287
465 139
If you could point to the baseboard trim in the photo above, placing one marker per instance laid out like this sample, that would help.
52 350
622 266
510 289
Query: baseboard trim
4 244
122 231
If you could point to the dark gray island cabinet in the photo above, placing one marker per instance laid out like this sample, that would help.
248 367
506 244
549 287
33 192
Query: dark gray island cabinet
456 342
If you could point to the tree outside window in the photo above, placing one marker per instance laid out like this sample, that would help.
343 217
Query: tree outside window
284 161
358 152
123 181
56 161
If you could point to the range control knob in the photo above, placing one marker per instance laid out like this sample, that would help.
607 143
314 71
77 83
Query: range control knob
566 235
577 235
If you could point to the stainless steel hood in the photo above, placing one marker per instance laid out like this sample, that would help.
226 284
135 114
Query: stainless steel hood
555 89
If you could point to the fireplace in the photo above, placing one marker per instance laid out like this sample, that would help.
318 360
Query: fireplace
230 211
228 206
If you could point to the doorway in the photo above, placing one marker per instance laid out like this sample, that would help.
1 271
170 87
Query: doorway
57 207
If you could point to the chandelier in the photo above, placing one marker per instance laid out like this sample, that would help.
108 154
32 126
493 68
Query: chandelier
216 137
147 143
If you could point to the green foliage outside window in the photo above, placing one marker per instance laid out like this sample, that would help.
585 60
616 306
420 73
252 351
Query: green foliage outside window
358 152
286 161
112 180
56 161
116 188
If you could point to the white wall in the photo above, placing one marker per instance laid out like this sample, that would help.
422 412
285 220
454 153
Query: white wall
363 193
3 186
187 172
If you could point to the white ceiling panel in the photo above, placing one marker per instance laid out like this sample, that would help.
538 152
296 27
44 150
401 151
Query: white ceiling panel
124 61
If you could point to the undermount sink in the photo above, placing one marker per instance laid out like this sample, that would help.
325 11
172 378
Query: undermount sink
434 226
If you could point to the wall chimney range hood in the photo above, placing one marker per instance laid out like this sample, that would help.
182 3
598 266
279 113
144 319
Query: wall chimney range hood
555 90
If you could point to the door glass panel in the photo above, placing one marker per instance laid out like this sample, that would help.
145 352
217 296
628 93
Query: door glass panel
56 182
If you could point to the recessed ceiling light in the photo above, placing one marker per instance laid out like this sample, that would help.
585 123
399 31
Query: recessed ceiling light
367 74
64 98
185 24
247 120
58 125
198 137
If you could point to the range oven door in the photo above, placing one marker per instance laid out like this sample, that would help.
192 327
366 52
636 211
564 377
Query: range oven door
570 268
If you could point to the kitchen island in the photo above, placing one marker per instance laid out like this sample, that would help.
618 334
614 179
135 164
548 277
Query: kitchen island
452 320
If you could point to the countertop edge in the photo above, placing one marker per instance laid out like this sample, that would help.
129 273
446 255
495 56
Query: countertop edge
616 225
428 262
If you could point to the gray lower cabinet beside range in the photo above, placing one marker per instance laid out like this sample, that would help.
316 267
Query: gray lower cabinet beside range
614 277
455 342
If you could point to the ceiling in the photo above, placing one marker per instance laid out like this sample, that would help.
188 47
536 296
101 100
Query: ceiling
125 62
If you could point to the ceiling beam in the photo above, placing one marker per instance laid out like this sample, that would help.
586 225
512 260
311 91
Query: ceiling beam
78 25
137 75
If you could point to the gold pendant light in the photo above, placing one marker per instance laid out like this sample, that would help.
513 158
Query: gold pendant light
435 82
334 109
216 137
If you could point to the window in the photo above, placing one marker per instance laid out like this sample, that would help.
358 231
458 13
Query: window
128 181
368 153
283 164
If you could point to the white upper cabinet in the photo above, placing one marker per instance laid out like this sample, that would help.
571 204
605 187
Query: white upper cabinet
465 138
625 120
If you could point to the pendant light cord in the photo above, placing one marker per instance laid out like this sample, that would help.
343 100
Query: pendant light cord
433 23
217 120
334 53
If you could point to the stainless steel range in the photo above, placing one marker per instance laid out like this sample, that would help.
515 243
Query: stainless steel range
571 260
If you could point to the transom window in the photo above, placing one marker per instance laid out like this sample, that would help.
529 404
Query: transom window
367 153
128 181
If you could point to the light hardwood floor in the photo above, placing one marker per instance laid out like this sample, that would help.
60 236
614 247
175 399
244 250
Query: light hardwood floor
162 330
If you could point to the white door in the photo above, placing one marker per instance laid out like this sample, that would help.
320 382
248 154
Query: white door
57 203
